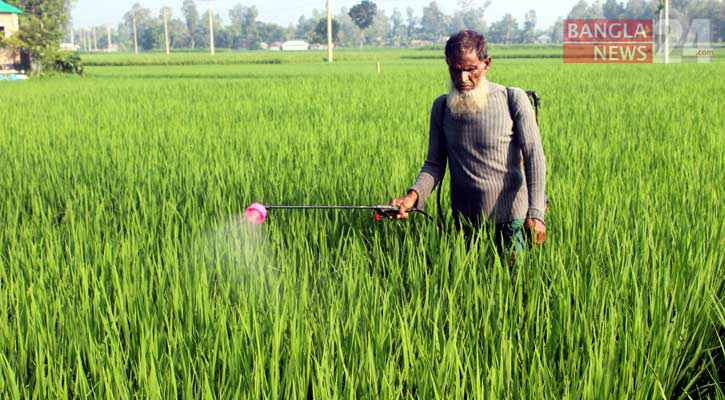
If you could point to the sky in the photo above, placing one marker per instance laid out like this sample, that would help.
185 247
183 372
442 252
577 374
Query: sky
88 13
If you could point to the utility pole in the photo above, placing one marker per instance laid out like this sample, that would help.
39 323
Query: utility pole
211 29
329 31
667 31
166 27
109 37
659 26
135 38
95 40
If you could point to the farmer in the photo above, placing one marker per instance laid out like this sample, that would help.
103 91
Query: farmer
484 139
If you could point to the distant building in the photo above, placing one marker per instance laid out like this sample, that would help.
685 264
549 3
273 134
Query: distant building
421 43
295 45
8 27
275 46
69 47
320 46
543 39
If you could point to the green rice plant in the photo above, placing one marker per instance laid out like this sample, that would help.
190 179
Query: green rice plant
127 271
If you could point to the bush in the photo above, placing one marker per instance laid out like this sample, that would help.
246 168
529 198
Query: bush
67 62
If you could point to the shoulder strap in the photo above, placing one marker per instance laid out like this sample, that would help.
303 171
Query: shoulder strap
511 102
444 104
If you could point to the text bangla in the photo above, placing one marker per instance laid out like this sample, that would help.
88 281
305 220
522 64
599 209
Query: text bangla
606 31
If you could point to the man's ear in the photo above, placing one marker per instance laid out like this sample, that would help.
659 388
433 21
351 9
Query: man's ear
486 64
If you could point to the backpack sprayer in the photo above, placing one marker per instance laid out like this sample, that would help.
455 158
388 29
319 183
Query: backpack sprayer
256 213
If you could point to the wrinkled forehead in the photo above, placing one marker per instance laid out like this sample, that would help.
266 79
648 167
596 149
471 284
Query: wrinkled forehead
463 59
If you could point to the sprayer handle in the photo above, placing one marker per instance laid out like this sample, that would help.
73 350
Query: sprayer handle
392 211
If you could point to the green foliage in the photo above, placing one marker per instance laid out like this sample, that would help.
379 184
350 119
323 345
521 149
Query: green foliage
68 62
191 19
363 14
127 271
321 31
433 22
41 29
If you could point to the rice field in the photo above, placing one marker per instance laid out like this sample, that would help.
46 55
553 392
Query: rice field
231 57
128 271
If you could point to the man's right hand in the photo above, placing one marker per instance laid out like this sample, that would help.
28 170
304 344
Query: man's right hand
405 203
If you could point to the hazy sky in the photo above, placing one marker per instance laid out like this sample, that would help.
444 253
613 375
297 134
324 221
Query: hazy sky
100 12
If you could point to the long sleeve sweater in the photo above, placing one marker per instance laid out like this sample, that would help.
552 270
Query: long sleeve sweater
484 153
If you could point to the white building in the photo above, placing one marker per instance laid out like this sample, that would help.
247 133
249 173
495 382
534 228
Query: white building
295 45
69 46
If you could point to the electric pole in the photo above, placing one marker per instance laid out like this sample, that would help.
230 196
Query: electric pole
211 29
659 26
166 28
667 31
329 31
135 38
109 38
95 40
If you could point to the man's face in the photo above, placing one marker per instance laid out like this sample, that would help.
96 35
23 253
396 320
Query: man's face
467 70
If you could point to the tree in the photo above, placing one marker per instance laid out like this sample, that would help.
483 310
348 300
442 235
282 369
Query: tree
433 23
579 10
638 9
468 17
397 30
271 32
305 28
140 17
529 33
412 22
151 36
191 18
41 30
557 31
320 35
178 35
379 30
505 31
363 15
612 9
250 28
220 38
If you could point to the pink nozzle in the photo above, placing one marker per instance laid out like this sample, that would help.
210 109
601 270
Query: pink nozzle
256 213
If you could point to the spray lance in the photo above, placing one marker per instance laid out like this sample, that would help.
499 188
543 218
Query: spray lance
257 213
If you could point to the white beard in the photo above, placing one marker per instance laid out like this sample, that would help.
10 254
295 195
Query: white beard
469 102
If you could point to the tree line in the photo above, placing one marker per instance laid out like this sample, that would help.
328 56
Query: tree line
365 24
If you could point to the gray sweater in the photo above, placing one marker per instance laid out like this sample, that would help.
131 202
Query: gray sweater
484 153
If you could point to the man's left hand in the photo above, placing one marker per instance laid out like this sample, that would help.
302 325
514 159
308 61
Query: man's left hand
537 228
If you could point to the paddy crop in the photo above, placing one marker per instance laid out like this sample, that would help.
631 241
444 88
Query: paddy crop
127 270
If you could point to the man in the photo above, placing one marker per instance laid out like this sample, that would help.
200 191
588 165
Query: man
484 132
